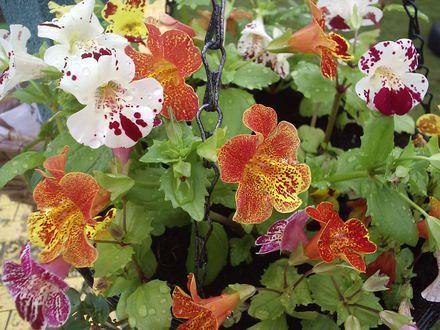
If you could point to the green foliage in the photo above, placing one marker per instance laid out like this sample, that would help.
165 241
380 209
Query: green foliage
217 249
19 165
311 138
278 324
241 249
117 184
111 258
266 305
149 306
320 322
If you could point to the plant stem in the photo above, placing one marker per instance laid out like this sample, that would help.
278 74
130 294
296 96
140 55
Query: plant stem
139 270
334 113
124 215
354 294
356 37
237 228
270 290
369 309
315 115
414 205
338 177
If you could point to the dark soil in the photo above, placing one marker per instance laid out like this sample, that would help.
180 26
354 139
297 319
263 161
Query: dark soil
171 248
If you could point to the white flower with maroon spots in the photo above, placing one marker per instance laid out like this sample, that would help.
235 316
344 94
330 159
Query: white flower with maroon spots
79 36
16 65
253 43
344 14
391 86
118 111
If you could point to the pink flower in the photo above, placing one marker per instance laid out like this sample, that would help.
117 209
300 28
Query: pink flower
391 86
284 235
39 295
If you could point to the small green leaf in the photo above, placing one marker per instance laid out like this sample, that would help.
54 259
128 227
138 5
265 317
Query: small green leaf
377 141
266 305
241 249
390 213
217 248
254 76
404 124
311 138
19 165
278 324
117 184
224 194
161 152
149 307
208 149
111 258
434 230
138 223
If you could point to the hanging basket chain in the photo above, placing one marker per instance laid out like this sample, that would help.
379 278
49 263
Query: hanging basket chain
414 33
214 41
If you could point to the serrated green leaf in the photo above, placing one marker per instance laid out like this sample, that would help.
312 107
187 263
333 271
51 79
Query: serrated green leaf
161 152
266 305
241 249
320 322
138 223
254 76
149 307
19 165
377 141
278 324
311 138
117 184
111 258
217 248
391 215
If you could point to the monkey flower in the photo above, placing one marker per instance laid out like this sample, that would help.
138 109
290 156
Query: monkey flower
265 167
337 239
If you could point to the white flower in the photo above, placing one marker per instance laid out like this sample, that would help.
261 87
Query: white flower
118 111
16 64
432 292
253 43
80 37
345 14
391 86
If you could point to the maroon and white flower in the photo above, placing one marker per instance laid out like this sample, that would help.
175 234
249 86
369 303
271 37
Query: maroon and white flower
118 111
350 14
16 65
80 38
253 43
39 294
284 235
391 86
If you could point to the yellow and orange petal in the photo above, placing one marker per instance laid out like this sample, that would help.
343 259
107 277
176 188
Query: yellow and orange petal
282 144
260 119
234 156
341 47
434 203
429 124
126 17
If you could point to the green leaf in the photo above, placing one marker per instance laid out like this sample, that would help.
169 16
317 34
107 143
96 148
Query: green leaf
391 215
149 306
233 102
401 9
241 249
377 141
117 184
324 292
311 138
320 322
254 76
224 194
146 258
111 258
187 193
208 149
19 165
161 152
138 223
217 248
95 307
404 124
308 80
278 324
308 108
80 158
266 305
434 230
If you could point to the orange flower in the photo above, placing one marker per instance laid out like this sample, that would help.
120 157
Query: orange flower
422 225
67 204
348 240
265 167
313 39
202 314
172 57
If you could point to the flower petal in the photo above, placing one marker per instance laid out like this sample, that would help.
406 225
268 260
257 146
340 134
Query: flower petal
181 99
329 66
400 57
77 250
355 260
80 22
56 164
183 305
394 101
253 203
324 213
30 309
234 155
282 144
417 84
14 277
429 124
56 308
372 17
358 235
260 119
341 47
294 233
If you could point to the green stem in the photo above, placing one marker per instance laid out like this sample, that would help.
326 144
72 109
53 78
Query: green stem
334 113
369 309
411 158
270 290
356 37
414 205
338 177
124 214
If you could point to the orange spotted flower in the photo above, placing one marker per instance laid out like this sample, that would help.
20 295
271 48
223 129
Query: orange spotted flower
207 314
429 124
313 39
265 166
172 57
64 222
337 239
